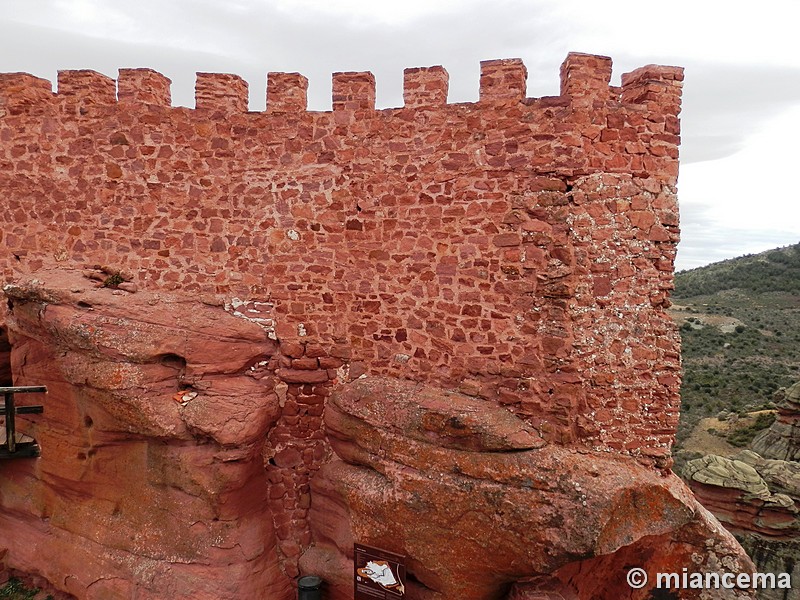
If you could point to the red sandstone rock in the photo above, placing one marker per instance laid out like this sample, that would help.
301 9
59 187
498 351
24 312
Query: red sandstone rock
757 500
302 375
473 519
135 493
780 441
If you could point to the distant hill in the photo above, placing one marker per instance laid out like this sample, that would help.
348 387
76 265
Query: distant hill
772 271
740 332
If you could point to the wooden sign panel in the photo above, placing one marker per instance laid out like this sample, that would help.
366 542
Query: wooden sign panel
378 574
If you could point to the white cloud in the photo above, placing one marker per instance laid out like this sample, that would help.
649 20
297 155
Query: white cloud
741 94
755 186
744 203
369 11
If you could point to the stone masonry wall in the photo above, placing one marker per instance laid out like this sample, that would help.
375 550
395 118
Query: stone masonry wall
517 249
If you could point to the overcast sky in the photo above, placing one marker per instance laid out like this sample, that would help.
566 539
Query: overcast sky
741 112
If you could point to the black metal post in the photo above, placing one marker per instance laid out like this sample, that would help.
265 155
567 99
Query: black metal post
11 433
308 588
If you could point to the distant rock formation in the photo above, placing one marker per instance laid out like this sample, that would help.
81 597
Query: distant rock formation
758 500
734 490
782 440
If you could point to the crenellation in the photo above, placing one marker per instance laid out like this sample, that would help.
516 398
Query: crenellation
23 93
143 86
425 86
586 77
503 80
583 77
659 89
222 92
353 91
653 73
286 93
86 87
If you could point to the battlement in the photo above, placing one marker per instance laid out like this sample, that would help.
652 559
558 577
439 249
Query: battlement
23 93
425 86
583 77
517 249
503 80
143 86
287 92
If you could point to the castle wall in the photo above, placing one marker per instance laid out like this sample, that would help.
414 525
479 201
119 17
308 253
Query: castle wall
518 249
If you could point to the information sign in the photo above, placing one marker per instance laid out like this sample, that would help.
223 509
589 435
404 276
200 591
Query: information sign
379 574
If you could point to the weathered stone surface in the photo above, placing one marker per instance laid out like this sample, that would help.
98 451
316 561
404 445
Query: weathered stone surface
140 492
474 519
728 473
773 555
781 476
778 550
435 416
782 440
766 523
736 493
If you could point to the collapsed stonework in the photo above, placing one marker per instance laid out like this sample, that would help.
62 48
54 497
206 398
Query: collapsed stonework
356 325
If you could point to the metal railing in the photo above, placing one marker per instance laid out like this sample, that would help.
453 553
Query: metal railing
12 448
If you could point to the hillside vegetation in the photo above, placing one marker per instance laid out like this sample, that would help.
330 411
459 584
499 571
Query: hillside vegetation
772 271
740 331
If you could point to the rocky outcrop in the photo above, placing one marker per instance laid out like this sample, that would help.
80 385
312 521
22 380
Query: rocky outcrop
151 482
738 495
781 476
758 500
483 507
782 440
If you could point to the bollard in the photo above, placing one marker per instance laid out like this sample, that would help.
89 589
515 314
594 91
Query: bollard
308 588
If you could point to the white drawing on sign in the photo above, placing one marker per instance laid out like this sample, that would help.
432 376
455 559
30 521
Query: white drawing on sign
380 572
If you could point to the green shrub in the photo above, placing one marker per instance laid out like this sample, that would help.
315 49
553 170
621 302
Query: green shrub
16 590
113 281
742 437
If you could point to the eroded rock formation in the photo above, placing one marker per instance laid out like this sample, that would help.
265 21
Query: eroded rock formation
738 495
782 440
152 484
758 500
478 501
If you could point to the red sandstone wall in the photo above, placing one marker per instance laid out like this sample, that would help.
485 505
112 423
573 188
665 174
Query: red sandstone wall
518 249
